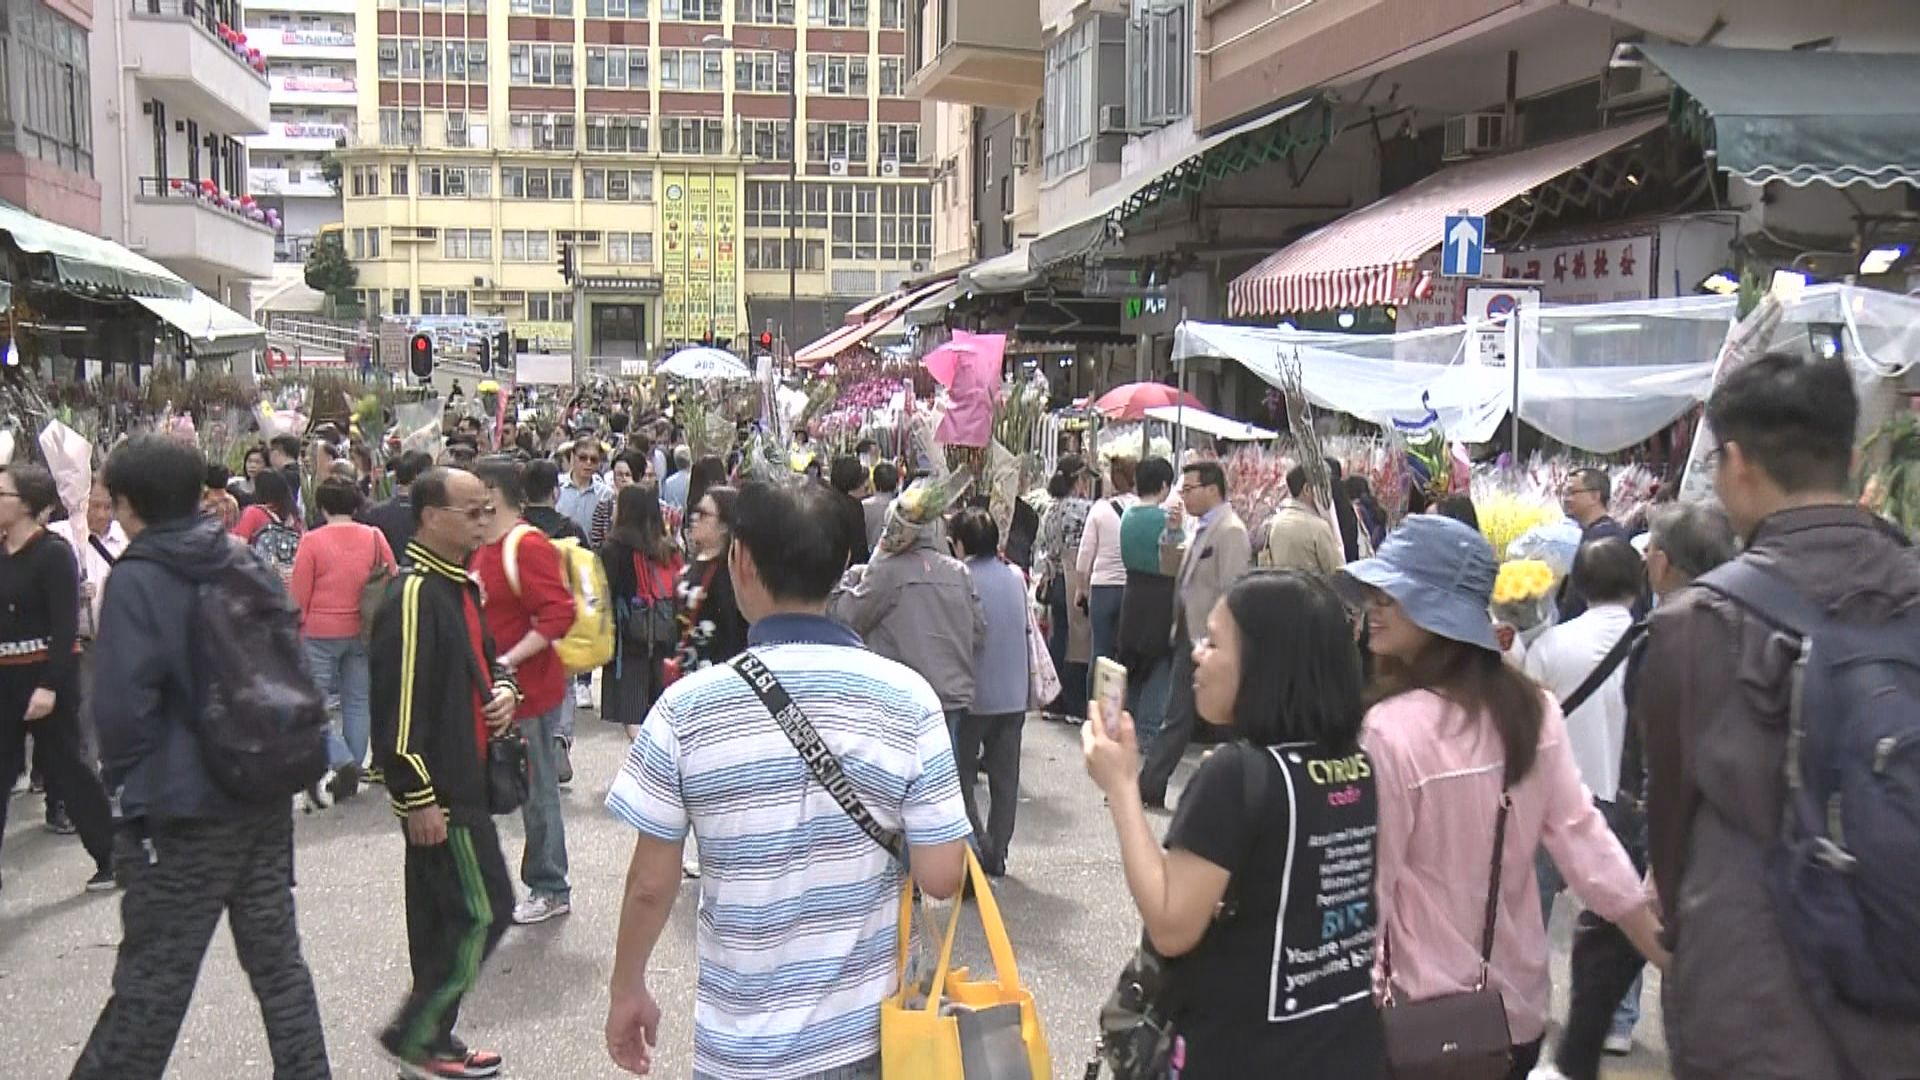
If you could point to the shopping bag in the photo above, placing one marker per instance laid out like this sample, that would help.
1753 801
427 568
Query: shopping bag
963 1028
1043 682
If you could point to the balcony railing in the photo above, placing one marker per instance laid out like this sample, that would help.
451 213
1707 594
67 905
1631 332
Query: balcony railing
207 17
207 193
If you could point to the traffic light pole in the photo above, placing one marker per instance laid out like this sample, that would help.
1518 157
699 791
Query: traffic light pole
579 331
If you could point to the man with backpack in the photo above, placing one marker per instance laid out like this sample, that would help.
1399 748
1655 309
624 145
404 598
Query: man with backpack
439 698
207 842
1788 867
528 608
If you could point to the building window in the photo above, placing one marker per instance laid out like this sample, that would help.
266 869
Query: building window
1159 49
617 67
443 301
540 131
837 13
364 180
888 222
616 9
618 134
477 62
402 302
827 140
892 14
899 142
1069 100
475 244
400 127
524 245
691 10
561 8
540 65
629 248
617 185
389 58
765 12
397 181
889 76
517 182
692 69
762 72
410 58
693 135
836 74
768 140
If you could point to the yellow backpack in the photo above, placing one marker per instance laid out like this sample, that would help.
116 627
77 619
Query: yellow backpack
588 644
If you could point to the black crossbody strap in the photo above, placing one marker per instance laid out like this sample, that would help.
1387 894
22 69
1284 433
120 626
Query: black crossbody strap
1493 884
100 547
815 752
1614 658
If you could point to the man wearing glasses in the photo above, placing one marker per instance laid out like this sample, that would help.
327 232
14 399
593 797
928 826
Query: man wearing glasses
583 488
1585 497
438 696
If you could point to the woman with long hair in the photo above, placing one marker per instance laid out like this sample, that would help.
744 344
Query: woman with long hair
272 525
1373 516
1465 749
1267 869
712 628
707 472
629 468
1070 628
252 465
643 564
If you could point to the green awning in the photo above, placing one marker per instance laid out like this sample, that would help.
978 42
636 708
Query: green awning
87 261
1801 115
211 327
1225 153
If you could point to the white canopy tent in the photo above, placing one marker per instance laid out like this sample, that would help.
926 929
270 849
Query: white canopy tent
1597 377
1220 427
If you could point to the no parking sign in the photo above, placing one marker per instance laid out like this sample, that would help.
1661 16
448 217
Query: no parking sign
1490 317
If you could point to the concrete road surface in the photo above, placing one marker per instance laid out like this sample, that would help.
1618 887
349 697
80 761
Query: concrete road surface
542 999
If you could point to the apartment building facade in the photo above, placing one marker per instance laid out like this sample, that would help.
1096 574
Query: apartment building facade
46 119
176 87
654 138
311 49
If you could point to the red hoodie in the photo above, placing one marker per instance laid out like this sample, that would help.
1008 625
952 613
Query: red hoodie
542 604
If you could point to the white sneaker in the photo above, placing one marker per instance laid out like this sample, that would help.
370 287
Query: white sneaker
691 867
1618 1045
582 696
538 909
320 795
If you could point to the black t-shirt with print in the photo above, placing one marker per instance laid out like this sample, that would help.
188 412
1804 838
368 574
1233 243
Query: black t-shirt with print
1281 984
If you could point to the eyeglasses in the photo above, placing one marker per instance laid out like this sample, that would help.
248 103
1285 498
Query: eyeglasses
475 513
586 461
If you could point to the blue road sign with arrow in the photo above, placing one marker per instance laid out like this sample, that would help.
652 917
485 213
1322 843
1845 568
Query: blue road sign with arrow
1463 243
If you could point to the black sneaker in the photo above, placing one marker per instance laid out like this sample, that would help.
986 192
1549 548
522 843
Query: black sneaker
102 881
58 822
346 783
565 760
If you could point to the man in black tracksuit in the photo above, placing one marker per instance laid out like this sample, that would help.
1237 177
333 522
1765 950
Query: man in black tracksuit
436 698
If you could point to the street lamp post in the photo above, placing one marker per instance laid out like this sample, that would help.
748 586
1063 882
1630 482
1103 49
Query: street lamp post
792 256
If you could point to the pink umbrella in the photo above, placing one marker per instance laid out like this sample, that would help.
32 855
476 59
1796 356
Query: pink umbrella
1131 402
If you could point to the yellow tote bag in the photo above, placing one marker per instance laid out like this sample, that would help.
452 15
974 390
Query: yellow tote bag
926 1042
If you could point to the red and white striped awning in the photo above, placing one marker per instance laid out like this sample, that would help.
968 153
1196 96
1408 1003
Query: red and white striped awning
1368 256
842 338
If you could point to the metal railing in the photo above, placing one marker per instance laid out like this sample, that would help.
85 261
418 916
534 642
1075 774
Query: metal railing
209 18
179 187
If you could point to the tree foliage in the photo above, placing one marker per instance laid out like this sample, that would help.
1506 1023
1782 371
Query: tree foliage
329 271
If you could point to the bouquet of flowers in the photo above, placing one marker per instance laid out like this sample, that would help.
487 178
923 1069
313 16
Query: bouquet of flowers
1505 518
1523 593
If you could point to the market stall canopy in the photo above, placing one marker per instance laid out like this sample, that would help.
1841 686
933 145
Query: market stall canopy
1220 427
211 327
840 340
700 362
864 310
1802 115
1010 272
89 262
1253 143
1361 258
1131 402
932 308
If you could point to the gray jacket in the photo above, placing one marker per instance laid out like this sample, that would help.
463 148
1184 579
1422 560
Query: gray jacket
918 607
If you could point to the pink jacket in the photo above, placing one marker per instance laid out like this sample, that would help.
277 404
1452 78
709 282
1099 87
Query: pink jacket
329 570
1438 777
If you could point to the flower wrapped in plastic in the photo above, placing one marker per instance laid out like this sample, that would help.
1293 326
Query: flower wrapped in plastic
1555 543
1523 593
920 506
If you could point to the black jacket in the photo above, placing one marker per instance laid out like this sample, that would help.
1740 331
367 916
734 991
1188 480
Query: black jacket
394 518
555 524
428 684
144 677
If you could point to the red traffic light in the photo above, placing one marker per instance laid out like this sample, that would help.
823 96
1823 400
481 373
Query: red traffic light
766 339
420 355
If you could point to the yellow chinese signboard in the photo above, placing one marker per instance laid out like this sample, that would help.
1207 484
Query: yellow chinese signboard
700 268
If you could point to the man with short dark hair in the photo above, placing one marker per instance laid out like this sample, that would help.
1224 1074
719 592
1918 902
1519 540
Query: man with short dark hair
1203 567
583 488
394 518
283 453
820 950
886 482
849 480
1715 695
542 479
203 854
1299 536
1585 497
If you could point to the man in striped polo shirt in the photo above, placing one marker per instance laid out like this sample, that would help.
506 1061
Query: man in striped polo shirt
798 940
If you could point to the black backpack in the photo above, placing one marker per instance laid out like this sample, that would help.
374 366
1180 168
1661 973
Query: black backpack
1845 869
261 719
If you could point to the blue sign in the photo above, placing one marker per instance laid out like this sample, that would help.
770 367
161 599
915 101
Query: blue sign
1463 245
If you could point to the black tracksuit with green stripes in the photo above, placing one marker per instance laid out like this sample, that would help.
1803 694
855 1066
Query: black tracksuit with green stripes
429 656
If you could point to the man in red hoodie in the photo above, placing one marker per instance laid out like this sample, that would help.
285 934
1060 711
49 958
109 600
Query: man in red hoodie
528 607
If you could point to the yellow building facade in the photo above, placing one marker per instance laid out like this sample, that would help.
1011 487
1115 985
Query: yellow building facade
652 137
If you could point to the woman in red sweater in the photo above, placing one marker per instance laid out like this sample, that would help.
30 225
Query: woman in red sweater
332 569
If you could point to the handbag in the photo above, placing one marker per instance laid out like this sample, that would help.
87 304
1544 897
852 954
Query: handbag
1043 681
508 780
652 623
1456 1036
963 1028
373 593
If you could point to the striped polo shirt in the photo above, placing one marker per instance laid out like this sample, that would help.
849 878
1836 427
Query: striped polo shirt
799 909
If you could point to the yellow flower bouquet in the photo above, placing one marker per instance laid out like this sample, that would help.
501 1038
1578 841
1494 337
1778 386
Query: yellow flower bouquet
1522 594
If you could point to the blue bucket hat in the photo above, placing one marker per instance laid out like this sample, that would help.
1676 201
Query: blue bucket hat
1441 572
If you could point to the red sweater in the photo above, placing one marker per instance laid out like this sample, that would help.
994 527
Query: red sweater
542 604
332 567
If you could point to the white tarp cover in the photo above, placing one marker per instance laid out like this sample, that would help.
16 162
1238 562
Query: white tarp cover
1220 427
1597 377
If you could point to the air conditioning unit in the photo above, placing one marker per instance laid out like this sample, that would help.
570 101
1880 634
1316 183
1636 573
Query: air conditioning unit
481 283
837 167
919 266
1113 120
889 167
1022 152
1471 134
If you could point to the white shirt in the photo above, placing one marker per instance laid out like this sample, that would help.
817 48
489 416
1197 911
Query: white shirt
1560 660
1099 553
93 568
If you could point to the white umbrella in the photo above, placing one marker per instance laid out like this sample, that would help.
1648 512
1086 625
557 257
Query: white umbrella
704 363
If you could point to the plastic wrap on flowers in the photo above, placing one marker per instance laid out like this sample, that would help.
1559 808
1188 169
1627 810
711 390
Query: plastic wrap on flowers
1523 594
1554 544
1506 518
920 506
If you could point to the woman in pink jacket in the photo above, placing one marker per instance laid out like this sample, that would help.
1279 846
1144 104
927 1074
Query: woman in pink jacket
330 571
1453 733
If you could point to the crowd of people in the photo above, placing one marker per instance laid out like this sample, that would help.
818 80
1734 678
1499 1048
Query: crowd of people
813 670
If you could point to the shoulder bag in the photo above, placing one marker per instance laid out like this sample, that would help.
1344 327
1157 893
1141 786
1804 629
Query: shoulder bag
1457 1036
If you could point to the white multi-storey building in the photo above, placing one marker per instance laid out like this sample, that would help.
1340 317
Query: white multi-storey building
309 47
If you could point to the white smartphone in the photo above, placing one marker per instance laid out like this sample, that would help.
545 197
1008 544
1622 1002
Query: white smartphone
1110 690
